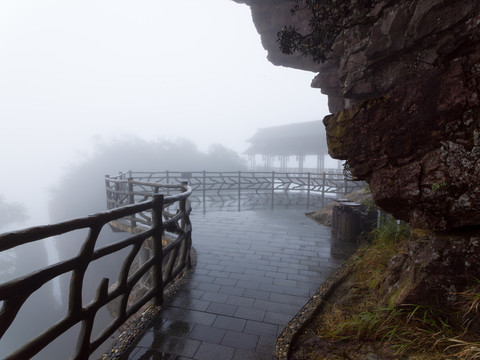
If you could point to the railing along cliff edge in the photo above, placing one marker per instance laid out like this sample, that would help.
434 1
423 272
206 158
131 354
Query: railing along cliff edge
239 183
163 264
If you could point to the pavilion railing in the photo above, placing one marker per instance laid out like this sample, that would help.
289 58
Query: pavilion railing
164 264
237 183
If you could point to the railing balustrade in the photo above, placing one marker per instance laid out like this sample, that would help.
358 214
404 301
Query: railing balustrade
163 265
238 183
136 205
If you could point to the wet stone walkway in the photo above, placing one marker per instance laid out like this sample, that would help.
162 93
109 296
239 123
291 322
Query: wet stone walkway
255 270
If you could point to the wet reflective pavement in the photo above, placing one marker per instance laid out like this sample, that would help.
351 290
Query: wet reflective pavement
255 270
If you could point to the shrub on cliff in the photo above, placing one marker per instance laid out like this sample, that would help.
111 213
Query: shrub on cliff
326 22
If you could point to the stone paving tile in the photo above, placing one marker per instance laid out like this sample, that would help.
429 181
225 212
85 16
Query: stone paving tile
204 278
231 290
174 327
240 276
215 297
208 351
247 286
240 301
241 354
225 281
250 313
261 328
240 340
257 294
219 274
273 288
150 354
222 309
208 287
189 303
277 318
288 299
299 292
207 333
189 291
275 306
229 323
168 344
200 317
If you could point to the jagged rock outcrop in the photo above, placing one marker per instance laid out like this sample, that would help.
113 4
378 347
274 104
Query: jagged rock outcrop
269 17
403 85
403 82
432 269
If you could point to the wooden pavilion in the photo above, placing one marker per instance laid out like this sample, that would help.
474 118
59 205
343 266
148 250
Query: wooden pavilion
277 144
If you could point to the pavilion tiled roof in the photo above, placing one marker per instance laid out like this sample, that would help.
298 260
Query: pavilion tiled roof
306 138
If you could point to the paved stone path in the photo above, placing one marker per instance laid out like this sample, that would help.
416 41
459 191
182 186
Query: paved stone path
255 271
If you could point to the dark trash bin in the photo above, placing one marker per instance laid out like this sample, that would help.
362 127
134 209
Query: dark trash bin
350 219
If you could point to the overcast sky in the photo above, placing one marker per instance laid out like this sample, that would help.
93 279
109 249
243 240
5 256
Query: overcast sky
73 72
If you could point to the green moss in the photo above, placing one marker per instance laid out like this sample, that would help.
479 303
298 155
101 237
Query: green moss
340 130
375 279
403 287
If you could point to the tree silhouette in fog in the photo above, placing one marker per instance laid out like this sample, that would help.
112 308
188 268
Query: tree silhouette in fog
81 191
11 213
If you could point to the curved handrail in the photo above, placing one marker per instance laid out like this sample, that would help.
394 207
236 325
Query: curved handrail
164 264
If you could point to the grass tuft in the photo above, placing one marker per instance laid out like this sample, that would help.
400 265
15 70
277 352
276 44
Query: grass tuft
413 331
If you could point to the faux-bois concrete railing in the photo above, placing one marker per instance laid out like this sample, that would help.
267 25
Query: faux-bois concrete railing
163 265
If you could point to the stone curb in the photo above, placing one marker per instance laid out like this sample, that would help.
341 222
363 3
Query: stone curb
306 314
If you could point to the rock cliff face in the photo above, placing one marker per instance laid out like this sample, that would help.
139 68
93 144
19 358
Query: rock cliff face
404 89
269 17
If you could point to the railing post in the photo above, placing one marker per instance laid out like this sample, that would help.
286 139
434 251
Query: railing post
239 188
131 196
157 248
168 181
131 200
107 190
119 187
186 224
204 190
308 191
273 187
323 189
346 184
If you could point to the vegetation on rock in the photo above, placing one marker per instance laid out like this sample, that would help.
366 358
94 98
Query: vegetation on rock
360 321
326 21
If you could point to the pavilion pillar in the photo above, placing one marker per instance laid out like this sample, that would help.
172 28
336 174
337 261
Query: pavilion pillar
252 161
320 163
284 161
301 159
268 162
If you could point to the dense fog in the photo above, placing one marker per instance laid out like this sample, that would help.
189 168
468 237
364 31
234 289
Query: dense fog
92 88
81 72
81 190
